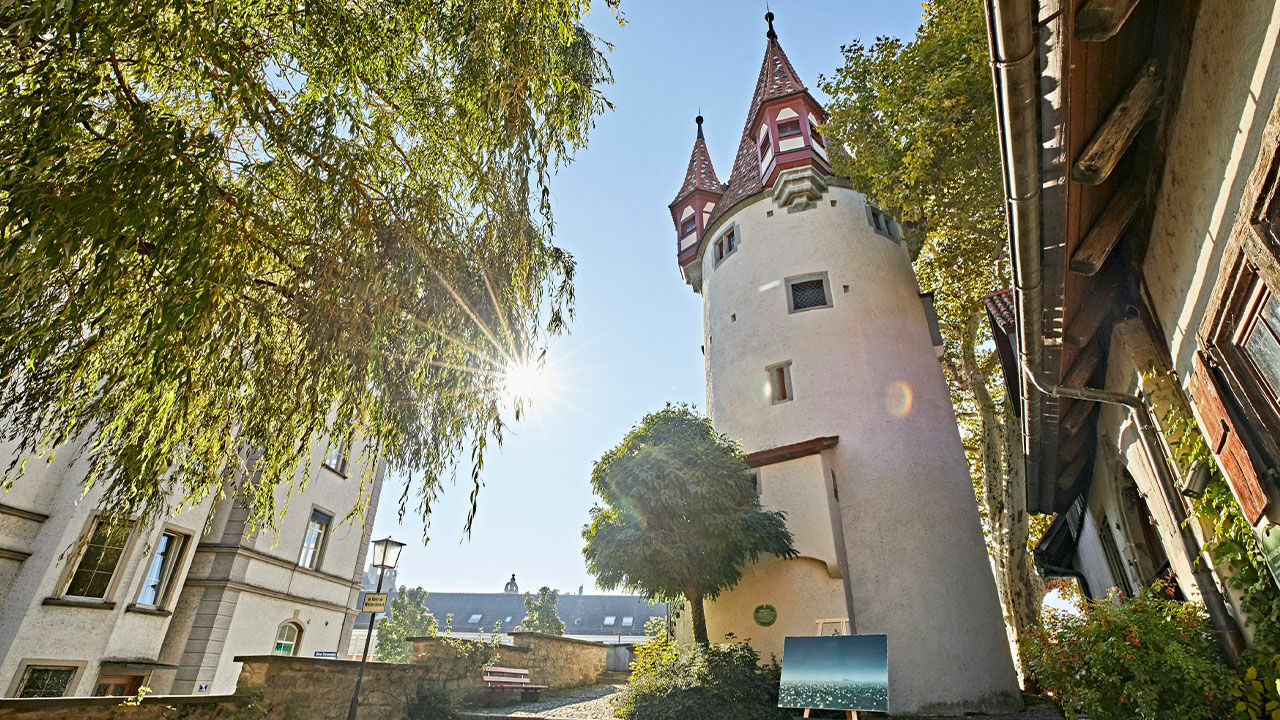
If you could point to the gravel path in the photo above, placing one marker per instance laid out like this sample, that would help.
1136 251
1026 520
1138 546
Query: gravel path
585 703
594 703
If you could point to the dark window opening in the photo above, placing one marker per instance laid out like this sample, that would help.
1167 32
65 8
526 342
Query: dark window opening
688 226
98 564
46 682
815 135
789 129
780 383
808 294
764 146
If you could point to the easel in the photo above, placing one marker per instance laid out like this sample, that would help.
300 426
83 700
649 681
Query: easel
848 714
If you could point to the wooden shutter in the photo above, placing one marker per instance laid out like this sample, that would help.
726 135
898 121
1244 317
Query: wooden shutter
1225 441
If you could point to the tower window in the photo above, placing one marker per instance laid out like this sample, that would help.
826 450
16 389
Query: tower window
816 136
780 382
879 221
726 244
789 129
688 226
808 292
764 146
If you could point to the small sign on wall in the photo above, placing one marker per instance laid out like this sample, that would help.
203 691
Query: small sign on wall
374 603
1271 550
332 654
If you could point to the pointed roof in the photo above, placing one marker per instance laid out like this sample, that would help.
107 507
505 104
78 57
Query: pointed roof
778 78
700 175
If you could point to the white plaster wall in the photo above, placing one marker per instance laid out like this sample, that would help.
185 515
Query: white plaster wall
1231 83
799 489
1090 560
253 632
865 370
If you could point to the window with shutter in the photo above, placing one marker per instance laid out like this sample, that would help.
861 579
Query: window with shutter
1225 442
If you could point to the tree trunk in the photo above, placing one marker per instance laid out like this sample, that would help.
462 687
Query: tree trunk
1004 497
698 617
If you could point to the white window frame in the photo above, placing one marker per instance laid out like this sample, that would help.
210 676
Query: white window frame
86 537
335 456
318 556
771 372
476 617
609 620
173 561
809 277
297 638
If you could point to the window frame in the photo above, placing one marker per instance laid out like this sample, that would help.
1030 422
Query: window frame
609 620
299 631
336 456
780 370
874 213
690 226
786 126
722 249
808 277
323 544
27 664
172 563
84 541
765 144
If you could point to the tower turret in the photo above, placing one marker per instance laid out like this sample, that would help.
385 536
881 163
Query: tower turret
695 201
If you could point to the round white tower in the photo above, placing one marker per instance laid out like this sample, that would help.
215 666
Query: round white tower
821 361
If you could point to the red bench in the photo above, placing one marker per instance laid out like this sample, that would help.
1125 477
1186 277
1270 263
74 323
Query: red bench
500 678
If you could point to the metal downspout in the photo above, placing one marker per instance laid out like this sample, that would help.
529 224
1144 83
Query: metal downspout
1012 35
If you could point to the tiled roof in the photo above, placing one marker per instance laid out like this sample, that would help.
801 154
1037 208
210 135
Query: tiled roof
700 175
582 614
1000 307
777 78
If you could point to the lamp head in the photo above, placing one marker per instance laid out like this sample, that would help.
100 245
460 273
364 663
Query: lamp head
386 553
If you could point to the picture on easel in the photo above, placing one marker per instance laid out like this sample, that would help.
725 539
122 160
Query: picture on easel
836 672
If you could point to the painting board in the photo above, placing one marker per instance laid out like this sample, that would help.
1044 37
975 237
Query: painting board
835 672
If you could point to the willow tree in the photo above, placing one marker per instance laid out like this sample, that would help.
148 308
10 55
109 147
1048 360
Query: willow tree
681 516
918 119
232 226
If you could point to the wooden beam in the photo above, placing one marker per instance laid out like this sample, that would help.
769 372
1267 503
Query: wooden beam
1083 368
1105 232
1072 446
1071 471
784 453
1116 133
1077 415
1098 20
1090 315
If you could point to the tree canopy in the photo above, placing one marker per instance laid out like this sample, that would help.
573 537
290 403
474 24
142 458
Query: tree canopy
543 612
918 118
232 227
407 616
681 517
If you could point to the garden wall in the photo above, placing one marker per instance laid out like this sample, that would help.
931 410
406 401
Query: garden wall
287 688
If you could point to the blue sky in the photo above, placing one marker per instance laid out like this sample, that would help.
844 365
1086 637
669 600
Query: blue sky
634 344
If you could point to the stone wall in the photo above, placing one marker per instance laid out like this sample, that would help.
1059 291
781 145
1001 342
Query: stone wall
293 688
159 707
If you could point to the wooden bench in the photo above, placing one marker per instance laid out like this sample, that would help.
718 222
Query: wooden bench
500 678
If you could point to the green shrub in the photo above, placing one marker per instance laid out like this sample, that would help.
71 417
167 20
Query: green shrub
700 682
1148 657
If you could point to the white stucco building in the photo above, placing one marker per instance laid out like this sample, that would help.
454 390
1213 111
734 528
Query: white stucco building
84 611
820 359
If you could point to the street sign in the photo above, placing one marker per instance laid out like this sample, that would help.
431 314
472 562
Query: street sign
374 603
326 654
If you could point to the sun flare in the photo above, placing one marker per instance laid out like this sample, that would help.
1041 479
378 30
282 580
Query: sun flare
523 380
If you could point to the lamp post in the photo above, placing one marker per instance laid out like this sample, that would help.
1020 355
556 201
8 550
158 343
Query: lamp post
386 553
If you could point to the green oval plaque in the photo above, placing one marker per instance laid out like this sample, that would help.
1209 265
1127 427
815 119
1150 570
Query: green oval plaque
766 615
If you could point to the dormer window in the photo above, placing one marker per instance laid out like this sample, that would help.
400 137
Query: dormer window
789 129
688 226
764 146
815 135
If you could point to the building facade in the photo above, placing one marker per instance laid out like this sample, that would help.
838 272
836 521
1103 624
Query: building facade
87 610
611 619
1141 166
821 361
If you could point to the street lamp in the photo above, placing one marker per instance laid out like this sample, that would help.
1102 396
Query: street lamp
386 553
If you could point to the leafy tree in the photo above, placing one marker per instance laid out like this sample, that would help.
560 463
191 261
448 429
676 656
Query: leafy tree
543 612
918 119
407 616
229 227
681 516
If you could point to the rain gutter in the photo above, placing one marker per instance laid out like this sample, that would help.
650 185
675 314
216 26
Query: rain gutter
1013 36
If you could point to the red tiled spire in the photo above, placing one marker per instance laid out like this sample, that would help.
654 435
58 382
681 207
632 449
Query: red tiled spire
701 175
777 78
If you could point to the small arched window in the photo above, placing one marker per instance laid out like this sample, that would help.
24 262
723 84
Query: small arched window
288 638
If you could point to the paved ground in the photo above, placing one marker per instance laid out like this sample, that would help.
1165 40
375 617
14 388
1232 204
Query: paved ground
593 703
